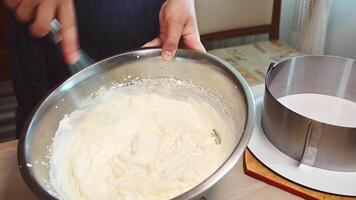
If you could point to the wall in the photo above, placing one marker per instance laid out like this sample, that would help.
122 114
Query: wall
287 15
341 34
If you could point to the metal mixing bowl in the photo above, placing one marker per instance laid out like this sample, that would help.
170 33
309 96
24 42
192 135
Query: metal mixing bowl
202 69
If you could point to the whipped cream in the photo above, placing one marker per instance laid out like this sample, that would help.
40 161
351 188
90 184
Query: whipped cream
139 142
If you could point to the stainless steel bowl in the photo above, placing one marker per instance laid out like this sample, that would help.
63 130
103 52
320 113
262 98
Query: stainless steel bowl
202 69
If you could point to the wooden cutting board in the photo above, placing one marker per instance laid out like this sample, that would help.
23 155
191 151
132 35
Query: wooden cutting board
254 168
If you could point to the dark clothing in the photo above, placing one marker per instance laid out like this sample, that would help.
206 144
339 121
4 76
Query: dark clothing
106 27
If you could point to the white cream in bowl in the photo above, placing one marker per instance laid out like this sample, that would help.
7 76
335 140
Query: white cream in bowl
153 140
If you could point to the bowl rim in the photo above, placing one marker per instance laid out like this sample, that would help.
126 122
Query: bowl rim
225 167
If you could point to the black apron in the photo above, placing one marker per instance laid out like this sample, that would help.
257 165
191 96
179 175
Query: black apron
106 27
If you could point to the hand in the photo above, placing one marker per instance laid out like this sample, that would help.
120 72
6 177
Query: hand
42 12
177 19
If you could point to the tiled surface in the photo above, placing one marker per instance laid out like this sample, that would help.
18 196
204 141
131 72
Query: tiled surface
252 60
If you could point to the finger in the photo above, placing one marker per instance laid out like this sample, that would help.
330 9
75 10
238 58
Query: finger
157 42
70 45
25 10
170 44
192 41
11 4
161 11
45 14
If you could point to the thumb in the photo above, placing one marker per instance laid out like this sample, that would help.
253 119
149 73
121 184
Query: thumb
192 41
170 44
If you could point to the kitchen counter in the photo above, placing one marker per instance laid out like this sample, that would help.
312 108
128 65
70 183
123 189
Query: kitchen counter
235 185
11 184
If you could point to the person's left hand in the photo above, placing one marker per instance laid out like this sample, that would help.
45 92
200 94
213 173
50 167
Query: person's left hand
177 20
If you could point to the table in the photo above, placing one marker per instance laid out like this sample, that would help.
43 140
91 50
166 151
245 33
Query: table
11 183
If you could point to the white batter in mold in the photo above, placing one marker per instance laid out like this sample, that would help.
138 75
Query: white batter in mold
324 108
140 142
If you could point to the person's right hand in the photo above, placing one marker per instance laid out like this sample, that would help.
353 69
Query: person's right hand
41 13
